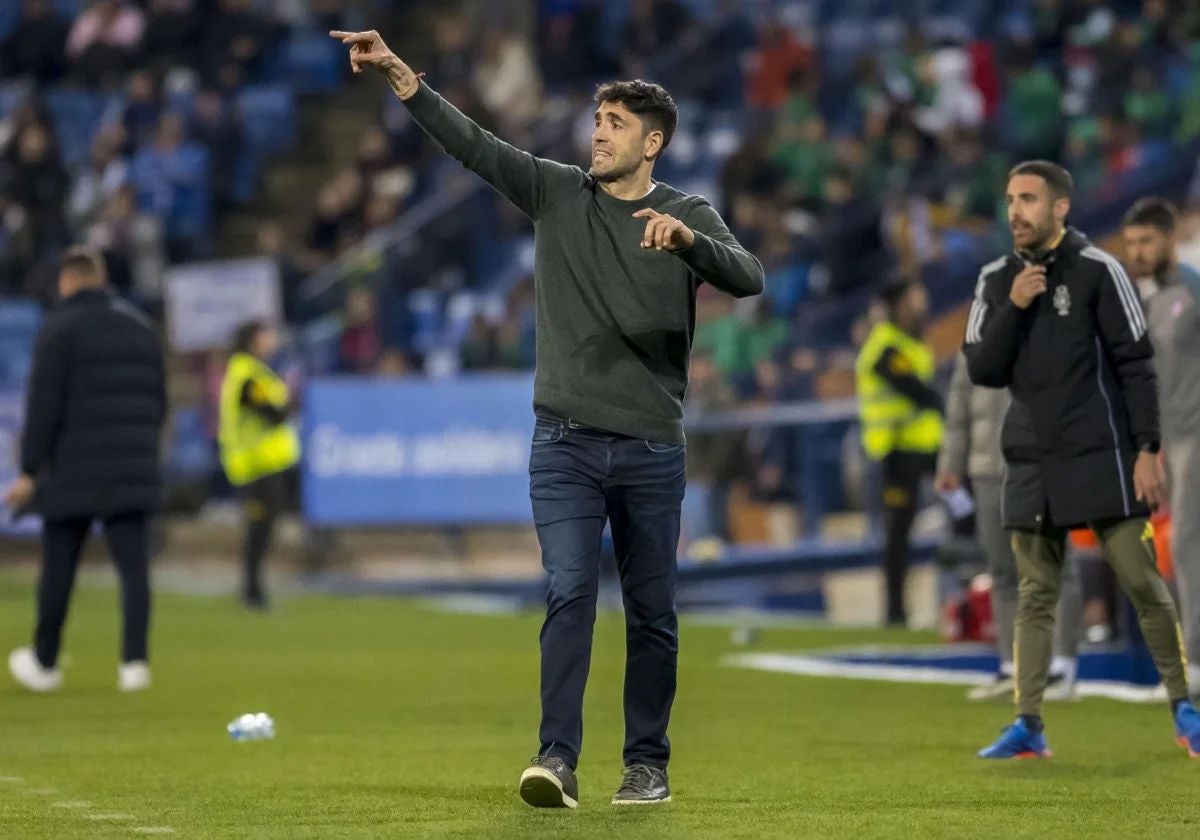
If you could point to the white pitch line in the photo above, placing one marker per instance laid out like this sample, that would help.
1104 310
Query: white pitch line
109 817
73 803
11 780
42 791
154 829
815 666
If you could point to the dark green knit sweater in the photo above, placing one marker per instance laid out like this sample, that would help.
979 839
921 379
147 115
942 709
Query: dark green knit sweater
614 320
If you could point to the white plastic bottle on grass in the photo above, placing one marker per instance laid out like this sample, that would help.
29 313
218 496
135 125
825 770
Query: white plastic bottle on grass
252 727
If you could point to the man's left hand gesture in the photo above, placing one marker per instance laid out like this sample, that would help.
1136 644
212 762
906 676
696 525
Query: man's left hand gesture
1149 482
664 232
20 493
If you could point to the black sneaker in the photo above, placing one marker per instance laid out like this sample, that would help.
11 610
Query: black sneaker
549 783
255 601
643 785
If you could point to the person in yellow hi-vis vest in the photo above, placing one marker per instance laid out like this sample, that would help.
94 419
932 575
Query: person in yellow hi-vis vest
258 445
901 418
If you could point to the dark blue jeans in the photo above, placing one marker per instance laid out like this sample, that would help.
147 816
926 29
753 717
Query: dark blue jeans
578 479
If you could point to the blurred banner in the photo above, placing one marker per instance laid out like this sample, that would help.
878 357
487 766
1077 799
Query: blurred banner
206 302
12 410
19 322
392 452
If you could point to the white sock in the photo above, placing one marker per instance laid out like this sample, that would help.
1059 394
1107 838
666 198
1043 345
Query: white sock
1065 667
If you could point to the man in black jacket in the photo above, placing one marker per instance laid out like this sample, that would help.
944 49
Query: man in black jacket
96 402
1059 323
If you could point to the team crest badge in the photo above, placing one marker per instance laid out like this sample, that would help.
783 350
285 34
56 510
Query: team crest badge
1062 300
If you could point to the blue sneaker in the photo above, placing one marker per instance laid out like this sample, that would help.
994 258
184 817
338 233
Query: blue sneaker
1017 741
1187 729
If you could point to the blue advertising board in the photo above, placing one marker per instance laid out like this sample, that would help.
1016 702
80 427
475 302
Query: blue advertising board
394 452
12 410
19 322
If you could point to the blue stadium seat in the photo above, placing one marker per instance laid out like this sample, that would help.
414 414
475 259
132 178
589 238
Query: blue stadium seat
246 173
76 114
10 15
311 62
182 102
268 116
425 307
19 322
69 9
178 188
317 343
189 451
11 95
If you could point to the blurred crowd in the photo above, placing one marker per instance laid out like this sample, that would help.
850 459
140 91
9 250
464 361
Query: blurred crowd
120 126
846 145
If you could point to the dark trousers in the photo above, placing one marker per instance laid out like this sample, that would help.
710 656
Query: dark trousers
902 472
62 545
578 479
263 501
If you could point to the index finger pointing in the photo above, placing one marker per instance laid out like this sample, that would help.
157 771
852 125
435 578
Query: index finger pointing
351 37
646 213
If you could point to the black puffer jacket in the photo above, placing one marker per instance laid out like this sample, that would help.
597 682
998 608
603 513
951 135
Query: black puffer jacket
97 399
1078 365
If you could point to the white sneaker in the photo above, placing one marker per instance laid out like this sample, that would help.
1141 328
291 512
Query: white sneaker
999 689
133 676
1060 689
24 666
1061 686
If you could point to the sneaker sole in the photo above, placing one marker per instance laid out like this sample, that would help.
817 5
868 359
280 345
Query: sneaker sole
641 801
1183 742
542 789
1024 756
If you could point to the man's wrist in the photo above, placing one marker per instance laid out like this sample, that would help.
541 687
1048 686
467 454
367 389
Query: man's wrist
405 83
1150 448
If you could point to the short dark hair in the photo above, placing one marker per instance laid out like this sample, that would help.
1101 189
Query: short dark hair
650 101
244 335
84 262
1059 180
1154 212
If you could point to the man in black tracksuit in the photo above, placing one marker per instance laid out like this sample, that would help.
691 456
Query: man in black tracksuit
90 451
1059 323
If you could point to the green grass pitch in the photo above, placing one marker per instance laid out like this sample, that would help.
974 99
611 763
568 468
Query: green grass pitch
397 720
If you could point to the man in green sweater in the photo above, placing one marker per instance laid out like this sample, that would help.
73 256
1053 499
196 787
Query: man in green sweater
618 259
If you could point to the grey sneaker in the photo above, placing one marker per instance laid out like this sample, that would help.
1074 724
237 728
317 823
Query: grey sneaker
643 785
549 783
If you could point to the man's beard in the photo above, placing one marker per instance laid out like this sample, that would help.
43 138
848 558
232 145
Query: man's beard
615 174
1040 243
1161 268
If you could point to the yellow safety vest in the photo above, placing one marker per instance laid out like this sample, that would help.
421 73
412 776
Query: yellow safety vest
251 447
891 421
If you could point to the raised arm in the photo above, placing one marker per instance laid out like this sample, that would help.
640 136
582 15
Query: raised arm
531 183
